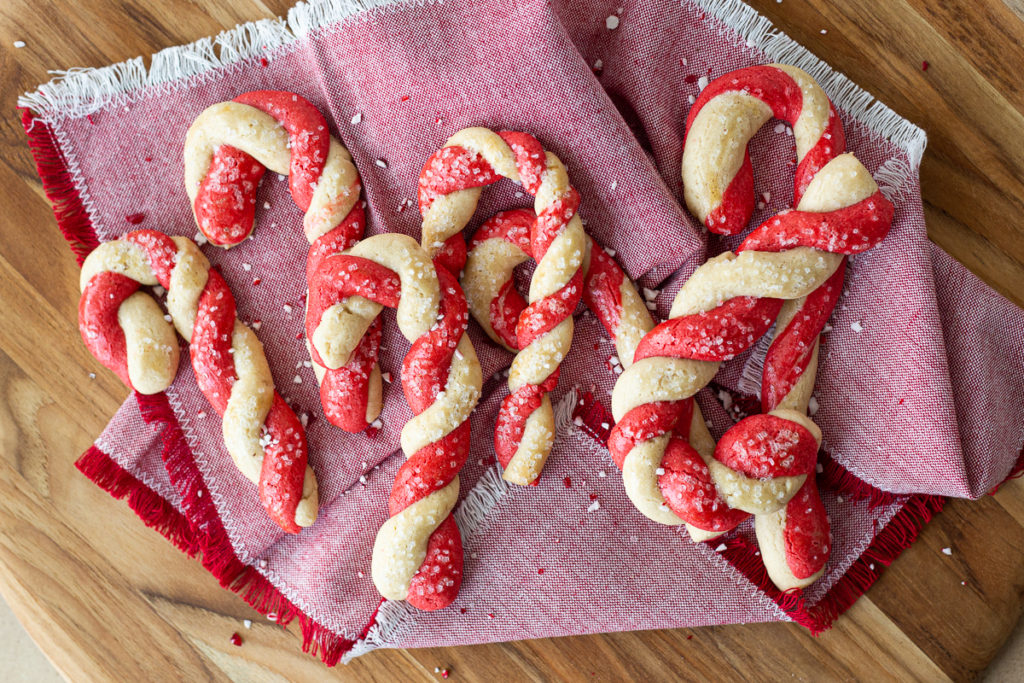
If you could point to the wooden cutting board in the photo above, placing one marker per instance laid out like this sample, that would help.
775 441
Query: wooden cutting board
107 598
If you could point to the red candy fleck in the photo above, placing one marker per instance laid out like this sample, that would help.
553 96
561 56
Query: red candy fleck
149 158
690 637
372 432
568 482
236 640
298 335
691 78
462 610
924 66
256 281
541 570
405 98
88 117
593 496
135 218
263 61
491 615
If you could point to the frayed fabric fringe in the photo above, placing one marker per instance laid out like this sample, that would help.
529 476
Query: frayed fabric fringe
59 187
200 532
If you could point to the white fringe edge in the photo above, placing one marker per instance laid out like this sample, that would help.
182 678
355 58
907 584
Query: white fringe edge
750 377
79 92
760 34
312 14
471 515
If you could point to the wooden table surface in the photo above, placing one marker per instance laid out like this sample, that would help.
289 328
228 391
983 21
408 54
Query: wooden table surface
106 597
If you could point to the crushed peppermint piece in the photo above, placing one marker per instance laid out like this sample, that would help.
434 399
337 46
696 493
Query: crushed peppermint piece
615 183
201 414
386 376
297 379
780 128
691 99
247 623
287 308
947 551
199 238
824 31
650 294
660 471
263 565
358 118
595 506
247 267
19 44
720 548
702 82
856 326
236 640
598 64
578 421
812 406
257 324
602 474
381 163
612 22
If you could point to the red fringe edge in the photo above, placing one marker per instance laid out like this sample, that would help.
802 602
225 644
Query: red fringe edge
200 531
72 218
886 546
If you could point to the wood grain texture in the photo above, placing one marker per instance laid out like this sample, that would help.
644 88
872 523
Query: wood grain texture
107 598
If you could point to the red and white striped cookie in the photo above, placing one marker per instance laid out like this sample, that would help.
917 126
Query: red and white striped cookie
227 150
449 189
718 180
503 243
764 465
418 552
127 331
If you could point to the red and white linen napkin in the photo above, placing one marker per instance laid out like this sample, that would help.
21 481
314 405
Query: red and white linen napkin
920 392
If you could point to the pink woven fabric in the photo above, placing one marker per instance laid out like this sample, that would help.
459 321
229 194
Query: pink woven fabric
926 397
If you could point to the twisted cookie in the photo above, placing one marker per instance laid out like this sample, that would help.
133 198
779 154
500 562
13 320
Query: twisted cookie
127 332
503 243
418 552
449 189
227 150
762 465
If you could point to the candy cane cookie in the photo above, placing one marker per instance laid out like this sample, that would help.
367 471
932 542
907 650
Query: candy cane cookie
764 465
449 189
126 330
503 243
227 150
417 555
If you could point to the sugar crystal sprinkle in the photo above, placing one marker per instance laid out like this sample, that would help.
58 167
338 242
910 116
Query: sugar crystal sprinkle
612 22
